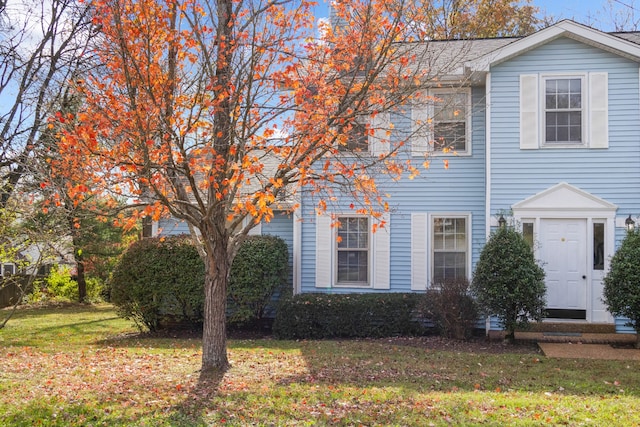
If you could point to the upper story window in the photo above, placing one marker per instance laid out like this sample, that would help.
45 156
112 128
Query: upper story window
357 139
353 251
368 134
450 122
563 110
441 122
554 109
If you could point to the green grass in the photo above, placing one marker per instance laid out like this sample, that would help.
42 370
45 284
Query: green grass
83 366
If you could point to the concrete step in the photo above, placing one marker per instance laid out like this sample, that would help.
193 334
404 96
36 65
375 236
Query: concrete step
577 337
572 327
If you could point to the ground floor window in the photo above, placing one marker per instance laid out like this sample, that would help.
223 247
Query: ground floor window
450 248
353 251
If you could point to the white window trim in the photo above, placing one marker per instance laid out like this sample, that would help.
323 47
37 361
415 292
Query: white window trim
335 251
584 84
431 245
423 111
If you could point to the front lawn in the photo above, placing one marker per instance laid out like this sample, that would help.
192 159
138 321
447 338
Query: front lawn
83 366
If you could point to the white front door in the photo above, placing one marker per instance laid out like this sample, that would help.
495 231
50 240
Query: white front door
563 249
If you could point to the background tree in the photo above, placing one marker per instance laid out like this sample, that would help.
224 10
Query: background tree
622 282
508 282
42 44
465 19
94 240
183 115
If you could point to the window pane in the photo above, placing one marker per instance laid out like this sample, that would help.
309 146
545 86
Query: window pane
575 100
353 266
527 233
562 134
563 101
598 246
562 86
450 135
353 233
449 265
575 86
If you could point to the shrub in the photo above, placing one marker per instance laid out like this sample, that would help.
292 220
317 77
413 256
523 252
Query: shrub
622 282
60 285
451 309
350 315
159 281
508 282
260 268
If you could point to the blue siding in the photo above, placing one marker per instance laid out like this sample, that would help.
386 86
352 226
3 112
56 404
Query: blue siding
622 327
612 174
171 227
281 225
458 189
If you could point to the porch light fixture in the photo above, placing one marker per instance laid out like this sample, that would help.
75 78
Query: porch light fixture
629 223
501 221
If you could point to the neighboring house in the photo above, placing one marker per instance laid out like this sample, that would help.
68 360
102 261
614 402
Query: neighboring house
547 134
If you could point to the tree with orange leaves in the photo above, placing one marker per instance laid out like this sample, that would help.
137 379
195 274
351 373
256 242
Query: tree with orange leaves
220 111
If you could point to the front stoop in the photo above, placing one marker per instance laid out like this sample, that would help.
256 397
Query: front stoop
559 332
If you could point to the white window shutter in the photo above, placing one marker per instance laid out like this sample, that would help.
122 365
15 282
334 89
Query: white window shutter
381 255
419 272
420 128
379 139
324 251
529 107
598 110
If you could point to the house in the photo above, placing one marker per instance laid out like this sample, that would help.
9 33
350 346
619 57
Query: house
549 139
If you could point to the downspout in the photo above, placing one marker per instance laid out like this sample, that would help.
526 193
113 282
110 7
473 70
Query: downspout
487 171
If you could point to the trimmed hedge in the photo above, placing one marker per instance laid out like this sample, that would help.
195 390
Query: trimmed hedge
375 315
259 269
159 282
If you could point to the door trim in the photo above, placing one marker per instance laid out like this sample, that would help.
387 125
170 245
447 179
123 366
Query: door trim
564 201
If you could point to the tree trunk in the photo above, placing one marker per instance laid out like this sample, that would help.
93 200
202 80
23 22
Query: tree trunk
82 282
214 334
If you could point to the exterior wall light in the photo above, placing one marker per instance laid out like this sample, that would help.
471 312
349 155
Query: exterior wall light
631 224
501 221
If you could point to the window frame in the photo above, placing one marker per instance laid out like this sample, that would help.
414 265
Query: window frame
438 93
584 108
8 266
360 138
432 243
337 249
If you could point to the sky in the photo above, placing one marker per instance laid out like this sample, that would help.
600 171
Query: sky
596 13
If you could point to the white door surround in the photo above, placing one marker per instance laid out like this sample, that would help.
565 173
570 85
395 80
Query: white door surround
563 218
